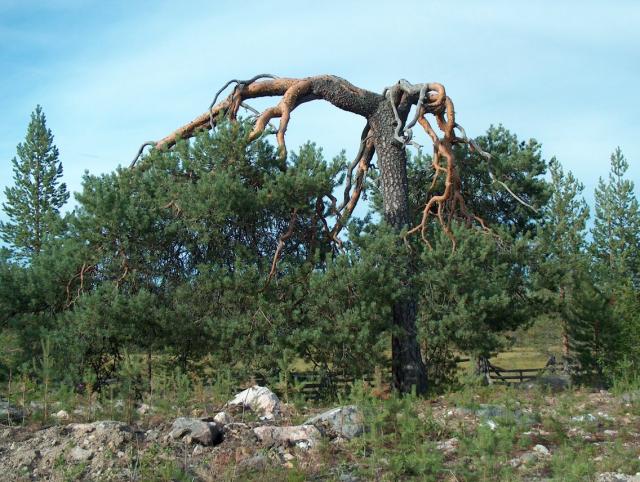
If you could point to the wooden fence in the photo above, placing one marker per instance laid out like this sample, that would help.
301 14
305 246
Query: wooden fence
518 375
315 386
495 374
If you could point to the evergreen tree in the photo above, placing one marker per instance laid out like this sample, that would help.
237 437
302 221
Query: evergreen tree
616 232
561 263
473 296
33 203
616 253
184 245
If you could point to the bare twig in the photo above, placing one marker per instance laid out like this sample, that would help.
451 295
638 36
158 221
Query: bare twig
240 84
144 144
281 242
476 148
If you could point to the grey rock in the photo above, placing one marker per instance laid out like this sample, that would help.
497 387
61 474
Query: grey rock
302 436
198 450
144 409
80 455
448 446
527 458
27 458
491 424
257 462
630 397
555 383
196 431
618 477
589 417
345 422
498 411
10 412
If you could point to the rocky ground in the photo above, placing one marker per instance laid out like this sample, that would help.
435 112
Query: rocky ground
543 436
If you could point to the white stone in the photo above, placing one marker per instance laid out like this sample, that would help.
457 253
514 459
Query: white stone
303 436
223 418
260 400
605 416
584 418
143 409
491 424
61 415
541 449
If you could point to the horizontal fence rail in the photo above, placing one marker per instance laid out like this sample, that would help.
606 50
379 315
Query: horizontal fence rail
315 386
495 373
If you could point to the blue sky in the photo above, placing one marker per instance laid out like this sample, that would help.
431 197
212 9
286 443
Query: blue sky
113 74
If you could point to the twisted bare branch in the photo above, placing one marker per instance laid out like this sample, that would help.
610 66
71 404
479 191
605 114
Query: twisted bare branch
476 148
432 99
139 153
280 247
240 84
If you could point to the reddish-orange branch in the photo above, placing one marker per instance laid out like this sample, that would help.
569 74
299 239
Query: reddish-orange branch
429 98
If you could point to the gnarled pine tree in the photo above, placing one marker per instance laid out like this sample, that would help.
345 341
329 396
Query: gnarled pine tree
386 134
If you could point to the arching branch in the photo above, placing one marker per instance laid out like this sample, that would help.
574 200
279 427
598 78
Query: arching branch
294 92
428 99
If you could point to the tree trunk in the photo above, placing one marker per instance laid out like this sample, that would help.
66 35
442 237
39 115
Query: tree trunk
565 327
408 368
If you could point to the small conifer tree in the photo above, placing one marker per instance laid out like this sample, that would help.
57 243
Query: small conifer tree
615 249
33 203
616 232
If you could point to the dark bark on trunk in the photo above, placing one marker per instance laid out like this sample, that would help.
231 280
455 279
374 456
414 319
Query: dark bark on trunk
408 368
565 329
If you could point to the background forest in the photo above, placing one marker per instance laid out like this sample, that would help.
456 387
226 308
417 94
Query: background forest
168 265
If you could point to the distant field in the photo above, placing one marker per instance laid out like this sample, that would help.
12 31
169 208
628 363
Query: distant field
519 357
